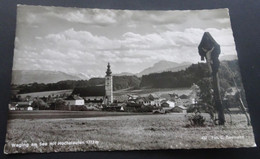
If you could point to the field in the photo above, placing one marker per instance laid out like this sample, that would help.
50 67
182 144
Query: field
147 91
135 132
164 92
141 92
46 93
59 114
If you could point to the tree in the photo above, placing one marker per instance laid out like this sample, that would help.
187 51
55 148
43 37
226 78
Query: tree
40 104
59 104
206 102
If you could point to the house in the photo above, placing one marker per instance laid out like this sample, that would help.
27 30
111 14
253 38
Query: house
154 100
179 109
92 94
150 100
122 108
231 98
132 97
141 101
179 102
184 96
184 100
74 100
11 107
170 96
168 104
164 104
24 105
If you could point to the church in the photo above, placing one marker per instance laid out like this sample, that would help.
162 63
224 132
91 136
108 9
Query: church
101 94
109 85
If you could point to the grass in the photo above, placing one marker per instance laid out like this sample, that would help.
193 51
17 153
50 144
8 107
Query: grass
61 114
122 94
147 91
144 91
126 133
46 93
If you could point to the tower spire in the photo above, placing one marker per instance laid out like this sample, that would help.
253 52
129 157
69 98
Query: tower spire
108 72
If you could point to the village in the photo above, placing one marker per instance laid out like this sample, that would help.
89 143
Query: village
153 102
102 98
130 103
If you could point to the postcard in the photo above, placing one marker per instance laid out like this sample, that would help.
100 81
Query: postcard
102 80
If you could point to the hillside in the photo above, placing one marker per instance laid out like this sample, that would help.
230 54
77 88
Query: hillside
42 76
163 66
124 74
192 74
119 82
180 79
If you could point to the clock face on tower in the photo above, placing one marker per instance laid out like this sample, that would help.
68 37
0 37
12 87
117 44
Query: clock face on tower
107 81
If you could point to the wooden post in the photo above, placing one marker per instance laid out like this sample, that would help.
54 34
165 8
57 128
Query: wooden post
210 49
217 99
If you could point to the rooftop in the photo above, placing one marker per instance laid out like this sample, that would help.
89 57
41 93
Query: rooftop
73 97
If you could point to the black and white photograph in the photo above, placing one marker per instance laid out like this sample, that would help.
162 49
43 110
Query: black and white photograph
86 79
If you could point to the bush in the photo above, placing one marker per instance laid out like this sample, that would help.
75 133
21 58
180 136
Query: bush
191 109
148 108
196 120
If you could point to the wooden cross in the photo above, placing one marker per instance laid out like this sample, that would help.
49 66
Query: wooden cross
210 49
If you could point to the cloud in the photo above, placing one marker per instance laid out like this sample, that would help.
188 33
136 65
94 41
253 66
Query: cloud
223 36
106 17
34 15
81 49
223 20
84 40
85 16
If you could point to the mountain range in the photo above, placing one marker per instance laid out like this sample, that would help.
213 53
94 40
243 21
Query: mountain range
43 76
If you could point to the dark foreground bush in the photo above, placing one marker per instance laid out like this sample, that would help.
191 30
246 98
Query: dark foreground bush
196 120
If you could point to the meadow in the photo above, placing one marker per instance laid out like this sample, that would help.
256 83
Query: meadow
142 92
46 93
147 91
135 132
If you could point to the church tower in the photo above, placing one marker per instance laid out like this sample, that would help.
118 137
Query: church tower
109 85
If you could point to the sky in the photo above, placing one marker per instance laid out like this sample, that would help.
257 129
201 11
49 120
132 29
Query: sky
78 40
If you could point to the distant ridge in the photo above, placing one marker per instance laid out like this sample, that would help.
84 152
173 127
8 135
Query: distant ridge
163 66
42 76
124 74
